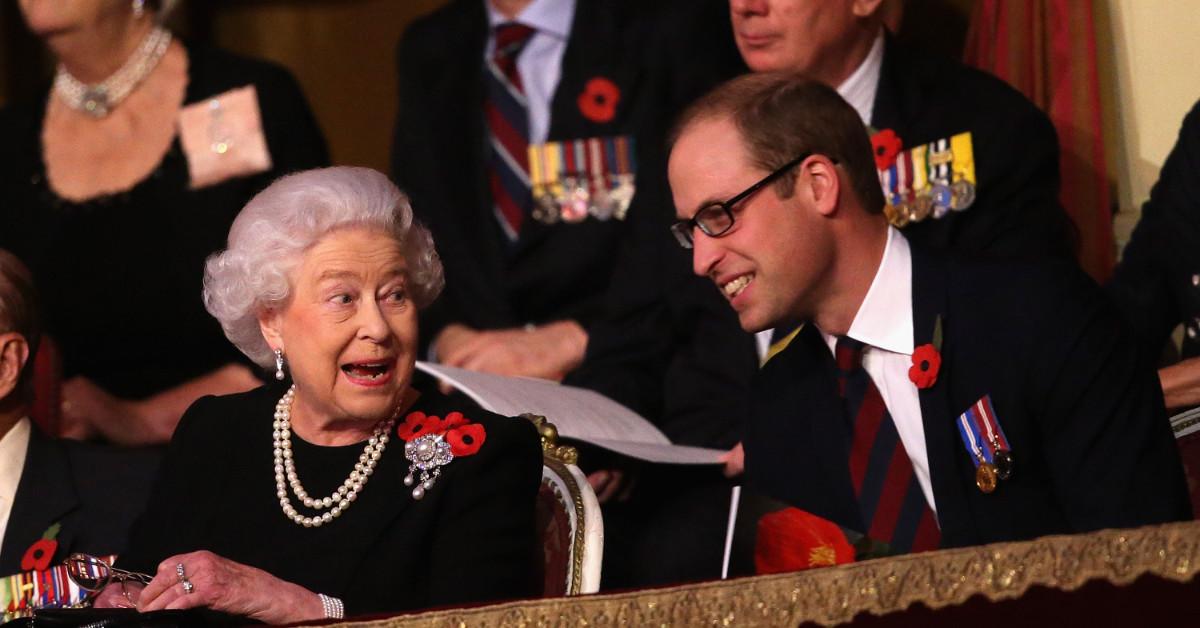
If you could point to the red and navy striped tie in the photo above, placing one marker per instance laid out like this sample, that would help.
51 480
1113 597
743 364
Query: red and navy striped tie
508 125
889 496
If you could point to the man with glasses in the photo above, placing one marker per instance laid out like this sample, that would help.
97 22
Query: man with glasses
924 402
56 496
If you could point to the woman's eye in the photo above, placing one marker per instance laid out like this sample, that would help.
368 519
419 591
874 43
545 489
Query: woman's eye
341 299
397 296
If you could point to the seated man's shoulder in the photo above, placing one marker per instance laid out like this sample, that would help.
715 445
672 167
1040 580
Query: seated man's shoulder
952 86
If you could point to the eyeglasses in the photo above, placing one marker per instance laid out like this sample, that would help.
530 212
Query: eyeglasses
715 219
92 574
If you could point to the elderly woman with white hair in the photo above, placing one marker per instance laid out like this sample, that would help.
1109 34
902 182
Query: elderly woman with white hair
341 488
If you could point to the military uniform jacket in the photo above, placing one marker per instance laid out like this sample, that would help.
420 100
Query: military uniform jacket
1082 412
552 272
93 492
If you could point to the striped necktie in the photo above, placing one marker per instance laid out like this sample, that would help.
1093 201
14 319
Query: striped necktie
889 496
507 118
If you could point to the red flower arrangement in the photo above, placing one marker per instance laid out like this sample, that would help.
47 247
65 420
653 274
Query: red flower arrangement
39 555
599 99
925 364
886 145
792 539
465 438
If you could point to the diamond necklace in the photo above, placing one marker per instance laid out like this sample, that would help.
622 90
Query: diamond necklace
99 99
285 468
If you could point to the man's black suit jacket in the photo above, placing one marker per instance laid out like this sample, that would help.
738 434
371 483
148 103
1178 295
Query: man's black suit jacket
93 492
662 319
1157 283
658 55
1081 409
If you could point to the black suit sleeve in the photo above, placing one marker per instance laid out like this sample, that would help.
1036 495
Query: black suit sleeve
1162 248
486 532
1107 440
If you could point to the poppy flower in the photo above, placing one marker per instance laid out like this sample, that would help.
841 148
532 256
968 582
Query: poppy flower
416 425
925 364
453 420
599 99
466 439
886 145
792 539
39 555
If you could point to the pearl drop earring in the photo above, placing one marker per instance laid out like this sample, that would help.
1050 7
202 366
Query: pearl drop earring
279 364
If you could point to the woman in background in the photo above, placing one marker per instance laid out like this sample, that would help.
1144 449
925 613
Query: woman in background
118 182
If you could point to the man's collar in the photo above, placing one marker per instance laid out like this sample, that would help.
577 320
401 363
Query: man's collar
13 448
860 87
552 17
885 318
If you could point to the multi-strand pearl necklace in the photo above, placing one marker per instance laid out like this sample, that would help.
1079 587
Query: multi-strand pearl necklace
285 469
99 99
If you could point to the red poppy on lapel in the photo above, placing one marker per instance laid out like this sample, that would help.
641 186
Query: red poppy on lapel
886 145
599 99
453 420
925 364
39 555
465 440
416 425
792 539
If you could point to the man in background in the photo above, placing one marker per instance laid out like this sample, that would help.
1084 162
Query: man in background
76 496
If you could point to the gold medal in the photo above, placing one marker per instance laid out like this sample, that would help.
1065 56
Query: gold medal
985 477
921 207
896 215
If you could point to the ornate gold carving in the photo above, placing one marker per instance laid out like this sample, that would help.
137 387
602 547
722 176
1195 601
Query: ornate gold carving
579 535
556 457
565 454
835 595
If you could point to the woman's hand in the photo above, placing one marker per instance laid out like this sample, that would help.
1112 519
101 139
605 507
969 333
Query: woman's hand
230 587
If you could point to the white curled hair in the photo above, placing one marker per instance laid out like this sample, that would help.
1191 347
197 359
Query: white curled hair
273 231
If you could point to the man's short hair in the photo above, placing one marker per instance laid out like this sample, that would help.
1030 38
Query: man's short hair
19 309
781 115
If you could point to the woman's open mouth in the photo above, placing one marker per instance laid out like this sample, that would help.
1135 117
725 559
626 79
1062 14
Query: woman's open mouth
369 373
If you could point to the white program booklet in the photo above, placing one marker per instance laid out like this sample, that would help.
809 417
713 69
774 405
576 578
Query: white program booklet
578 413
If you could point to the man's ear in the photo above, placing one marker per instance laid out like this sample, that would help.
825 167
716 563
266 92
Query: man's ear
866 8
819 182
14 353
270 322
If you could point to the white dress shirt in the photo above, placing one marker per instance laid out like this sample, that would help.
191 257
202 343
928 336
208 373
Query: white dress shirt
13 447
540 63
884 323
859 90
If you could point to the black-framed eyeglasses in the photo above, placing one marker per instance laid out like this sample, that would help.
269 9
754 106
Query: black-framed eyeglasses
715 219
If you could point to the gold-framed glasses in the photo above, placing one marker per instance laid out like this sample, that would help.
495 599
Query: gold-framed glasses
92 574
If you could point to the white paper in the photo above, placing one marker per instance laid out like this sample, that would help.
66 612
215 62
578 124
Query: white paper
578 414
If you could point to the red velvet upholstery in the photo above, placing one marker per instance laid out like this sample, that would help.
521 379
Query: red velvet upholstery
47 388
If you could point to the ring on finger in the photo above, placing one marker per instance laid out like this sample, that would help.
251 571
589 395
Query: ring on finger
179 572
188 587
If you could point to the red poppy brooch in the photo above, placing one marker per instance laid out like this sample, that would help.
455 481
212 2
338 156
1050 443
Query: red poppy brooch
430 443
599 99
39 555
927 359
886 145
